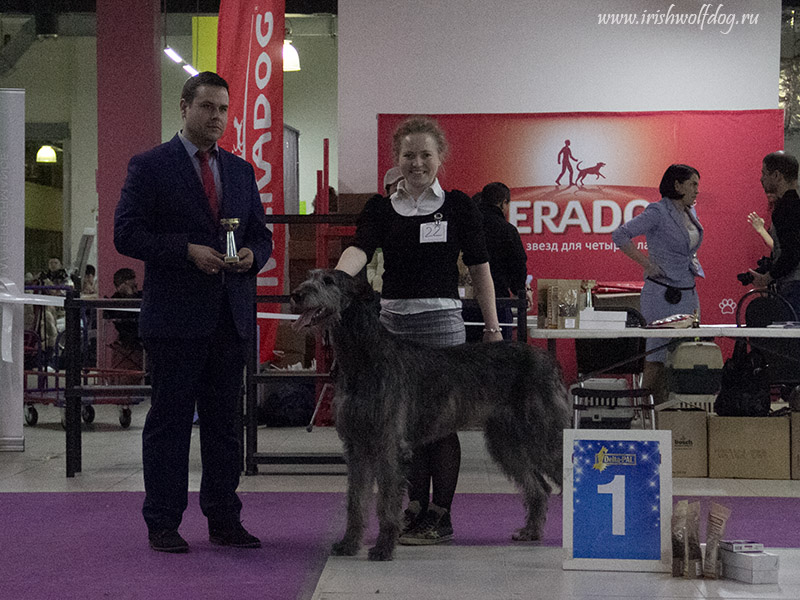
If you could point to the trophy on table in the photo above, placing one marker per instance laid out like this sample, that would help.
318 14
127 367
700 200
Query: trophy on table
230 226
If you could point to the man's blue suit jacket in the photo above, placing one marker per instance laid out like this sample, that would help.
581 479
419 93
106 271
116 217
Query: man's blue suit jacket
161 210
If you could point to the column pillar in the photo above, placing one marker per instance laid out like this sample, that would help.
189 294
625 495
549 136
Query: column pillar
12 265
129 40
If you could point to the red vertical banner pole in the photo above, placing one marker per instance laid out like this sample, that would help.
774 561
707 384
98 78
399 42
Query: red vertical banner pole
250 57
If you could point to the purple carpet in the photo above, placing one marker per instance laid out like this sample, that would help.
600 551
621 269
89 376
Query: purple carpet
94 545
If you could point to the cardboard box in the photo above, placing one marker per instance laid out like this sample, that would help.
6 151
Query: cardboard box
795 419
750 567
560 302
689 441
748 447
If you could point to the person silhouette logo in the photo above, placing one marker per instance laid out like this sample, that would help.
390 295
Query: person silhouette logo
565 159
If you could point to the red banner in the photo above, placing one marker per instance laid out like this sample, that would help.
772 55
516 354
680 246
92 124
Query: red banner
616 161
250 58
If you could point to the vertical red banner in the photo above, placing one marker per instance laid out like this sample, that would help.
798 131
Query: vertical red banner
250 58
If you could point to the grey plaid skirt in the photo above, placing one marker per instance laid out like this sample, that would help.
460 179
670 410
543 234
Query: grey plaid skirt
435 328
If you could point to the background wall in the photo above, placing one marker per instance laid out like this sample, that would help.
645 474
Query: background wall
472 56
310 106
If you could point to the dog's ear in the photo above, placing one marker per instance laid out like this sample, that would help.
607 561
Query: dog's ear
358 287
364 291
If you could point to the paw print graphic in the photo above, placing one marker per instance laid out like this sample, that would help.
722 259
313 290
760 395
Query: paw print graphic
727 306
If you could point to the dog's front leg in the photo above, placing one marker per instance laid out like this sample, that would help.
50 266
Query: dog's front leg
391 487
360 475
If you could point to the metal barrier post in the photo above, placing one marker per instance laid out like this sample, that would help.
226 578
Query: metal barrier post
72 394
251 440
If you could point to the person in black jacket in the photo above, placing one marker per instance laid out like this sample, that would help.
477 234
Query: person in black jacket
507 258
779 172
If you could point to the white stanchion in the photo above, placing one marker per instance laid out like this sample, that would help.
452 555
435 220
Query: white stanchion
12 264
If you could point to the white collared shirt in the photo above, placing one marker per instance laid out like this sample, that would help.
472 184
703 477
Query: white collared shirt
428 203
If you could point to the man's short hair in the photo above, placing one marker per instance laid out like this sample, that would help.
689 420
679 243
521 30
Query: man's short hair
123 275
204 78
784 163
495 193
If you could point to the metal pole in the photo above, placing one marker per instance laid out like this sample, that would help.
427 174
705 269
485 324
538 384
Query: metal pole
72 395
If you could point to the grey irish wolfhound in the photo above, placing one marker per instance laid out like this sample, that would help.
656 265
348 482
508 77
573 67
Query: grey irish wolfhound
393 394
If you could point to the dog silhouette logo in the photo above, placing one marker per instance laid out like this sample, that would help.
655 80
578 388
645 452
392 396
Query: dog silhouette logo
239 126
595 170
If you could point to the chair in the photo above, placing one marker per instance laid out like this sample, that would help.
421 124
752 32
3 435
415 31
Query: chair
620 356
761 308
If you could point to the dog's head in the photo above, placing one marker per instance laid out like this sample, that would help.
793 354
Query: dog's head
322 298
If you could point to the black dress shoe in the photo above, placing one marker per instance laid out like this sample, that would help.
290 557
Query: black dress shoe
167 540
234 535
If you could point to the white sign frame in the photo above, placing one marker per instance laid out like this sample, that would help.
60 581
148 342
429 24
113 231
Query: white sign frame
664 496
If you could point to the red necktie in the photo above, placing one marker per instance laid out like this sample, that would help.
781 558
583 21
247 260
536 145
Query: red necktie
208 183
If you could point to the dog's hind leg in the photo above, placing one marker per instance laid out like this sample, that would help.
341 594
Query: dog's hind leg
360 475
391 487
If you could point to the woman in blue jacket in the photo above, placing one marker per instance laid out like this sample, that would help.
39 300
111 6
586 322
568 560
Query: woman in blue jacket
673 235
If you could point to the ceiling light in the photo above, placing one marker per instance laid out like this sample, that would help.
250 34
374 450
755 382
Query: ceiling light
46 154
291 60
190 70
172 54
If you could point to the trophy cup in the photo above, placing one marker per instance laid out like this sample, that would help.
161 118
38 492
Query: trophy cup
230 226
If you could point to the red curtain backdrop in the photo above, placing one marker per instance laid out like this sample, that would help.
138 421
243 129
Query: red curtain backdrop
567 229
250 58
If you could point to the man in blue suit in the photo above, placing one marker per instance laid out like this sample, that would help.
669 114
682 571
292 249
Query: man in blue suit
197 311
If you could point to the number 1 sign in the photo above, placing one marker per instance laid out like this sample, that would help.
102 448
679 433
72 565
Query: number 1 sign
617 500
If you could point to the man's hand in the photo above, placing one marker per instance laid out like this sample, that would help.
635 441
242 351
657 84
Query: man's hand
761 280
244 264
206 258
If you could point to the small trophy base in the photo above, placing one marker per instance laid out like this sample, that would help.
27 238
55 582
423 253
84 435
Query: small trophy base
231 259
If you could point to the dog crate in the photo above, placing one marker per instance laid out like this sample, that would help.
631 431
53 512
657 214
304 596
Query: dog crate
693 373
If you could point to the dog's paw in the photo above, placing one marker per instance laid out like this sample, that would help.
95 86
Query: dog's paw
345 548
526 534
380 553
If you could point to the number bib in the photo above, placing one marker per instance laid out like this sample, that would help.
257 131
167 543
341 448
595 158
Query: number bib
433 231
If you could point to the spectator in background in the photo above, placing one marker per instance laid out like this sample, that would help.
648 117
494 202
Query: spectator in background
779 172
126 323
670 267
507 258
89 282
55 274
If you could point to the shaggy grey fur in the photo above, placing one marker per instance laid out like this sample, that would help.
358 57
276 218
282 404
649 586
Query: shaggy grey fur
393 394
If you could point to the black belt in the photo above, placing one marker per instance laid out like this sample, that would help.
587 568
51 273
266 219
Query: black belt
666 285
672 294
